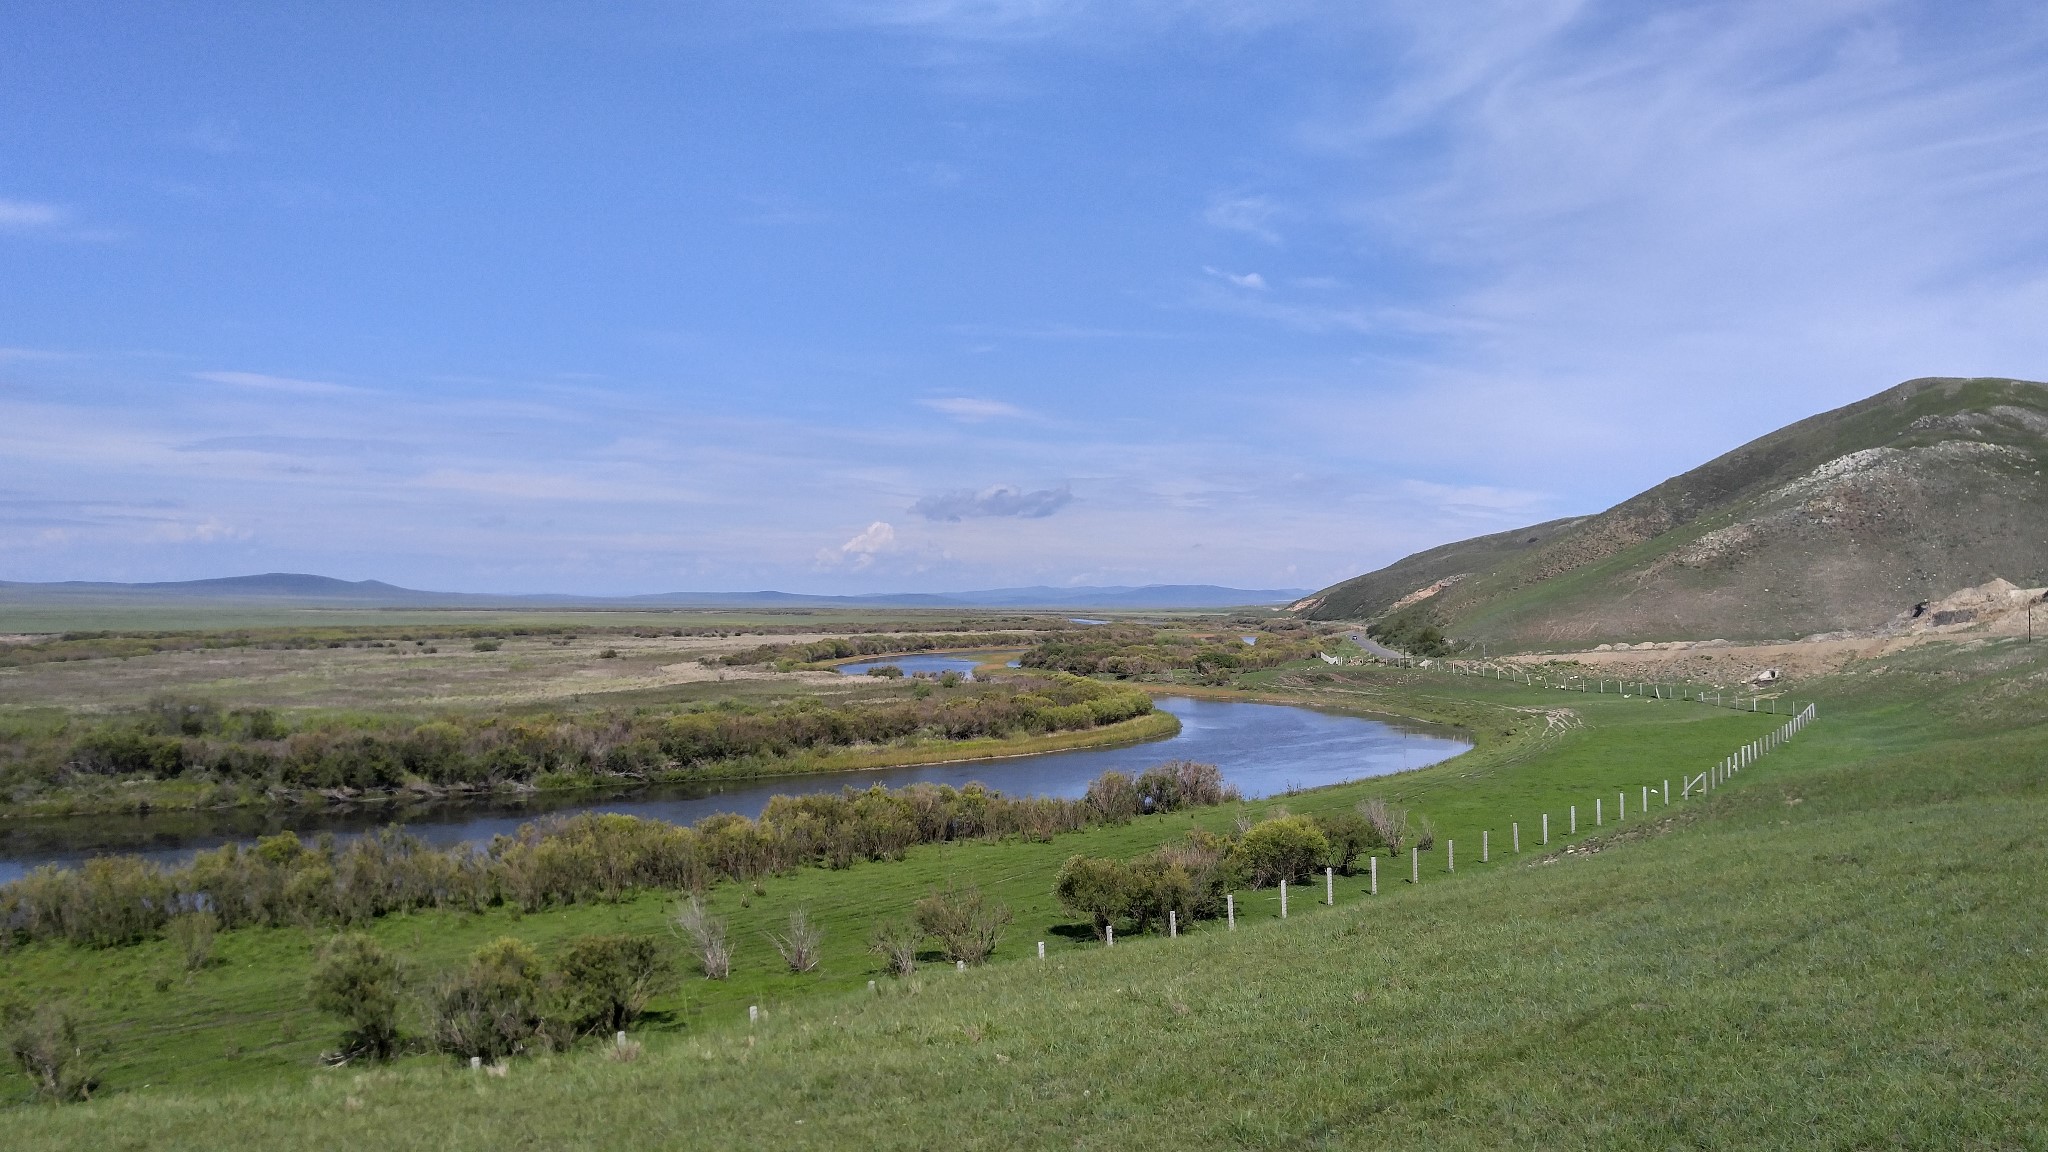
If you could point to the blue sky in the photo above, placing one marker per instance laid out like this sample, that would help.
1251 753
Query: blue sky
921 294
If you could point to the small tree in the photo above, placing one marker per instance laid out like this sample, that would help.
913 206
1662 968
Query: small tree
800 945
43 1043
193 933
896 942
966 925
358 982
706 934
607 980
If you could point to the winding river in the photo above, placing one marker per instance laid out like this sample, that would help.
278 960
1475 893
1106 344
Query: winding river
1263 749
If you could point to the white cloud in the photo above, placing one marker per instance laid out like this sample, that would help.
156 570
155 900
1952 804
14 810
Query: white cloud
268 383
860 552
29 216
974 410
1248 280
1251 215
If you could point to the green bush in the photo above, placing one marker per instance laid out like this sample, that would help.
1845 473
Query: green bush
963 921
485 646
1095 888
193 933
606 981
356 981
43 1042
1350 835
495 1006
1283 848
1114 798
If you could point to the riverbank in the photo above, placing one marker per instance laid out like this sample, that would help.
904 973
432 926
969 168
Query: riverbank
145 796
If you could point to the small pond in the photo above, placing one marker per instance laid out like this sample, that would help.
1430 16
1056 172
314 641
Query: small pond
929 664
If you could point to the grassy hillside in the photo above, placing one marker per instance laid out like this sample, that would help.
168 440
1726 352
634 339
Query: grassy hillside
1839 948
1838 521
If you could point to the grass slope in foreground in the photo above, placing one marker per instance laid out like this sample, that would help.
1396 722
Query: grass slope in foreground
1840 948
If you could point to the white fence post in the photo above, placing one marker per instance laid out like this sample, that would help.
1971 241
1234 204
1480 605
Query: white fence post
1450 855
1414 865
1172 923
1373 871
1515 830
1546 827
1283 898
1575 821
1484 847
1041 952
1109 935
1230 909
1599 816
1329 886
1667 790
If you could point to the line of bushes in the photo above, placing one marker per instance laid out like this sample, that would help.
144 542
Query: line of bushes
1128 651
1192 877
176 738
115 900
847 647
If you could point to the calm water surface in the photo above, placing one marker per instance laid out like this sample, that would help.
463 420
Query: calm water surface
1263 749
912 665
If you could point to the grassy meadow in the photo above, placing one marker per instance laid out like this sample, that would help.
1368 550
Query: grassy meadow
1840 948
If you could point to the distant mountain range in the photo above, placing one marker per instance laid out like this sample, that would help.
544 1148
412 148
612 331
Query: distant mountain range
1839 521
301 588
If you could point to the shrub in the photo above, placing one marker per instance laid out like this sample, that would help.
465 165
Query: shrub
193 933
1182 784
886 671
1283 848
485 646
1113 797
1350 835
1425 833
358 982
896 942
1097 889
706 934
965 924
607 980
608 654
494 1006
43 1043
1389 824
799 946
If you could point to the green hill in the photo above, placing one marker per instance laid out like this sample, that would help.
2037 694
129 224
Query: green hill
1836 522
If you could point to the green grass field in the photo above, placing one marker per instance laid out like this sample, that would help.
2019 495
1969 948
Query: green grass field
1839 948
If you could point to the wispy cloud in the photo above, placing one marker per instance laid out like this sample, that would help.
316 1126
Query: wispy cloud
1251 215
1250 280
30 216
268 383
973 409
1000 500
